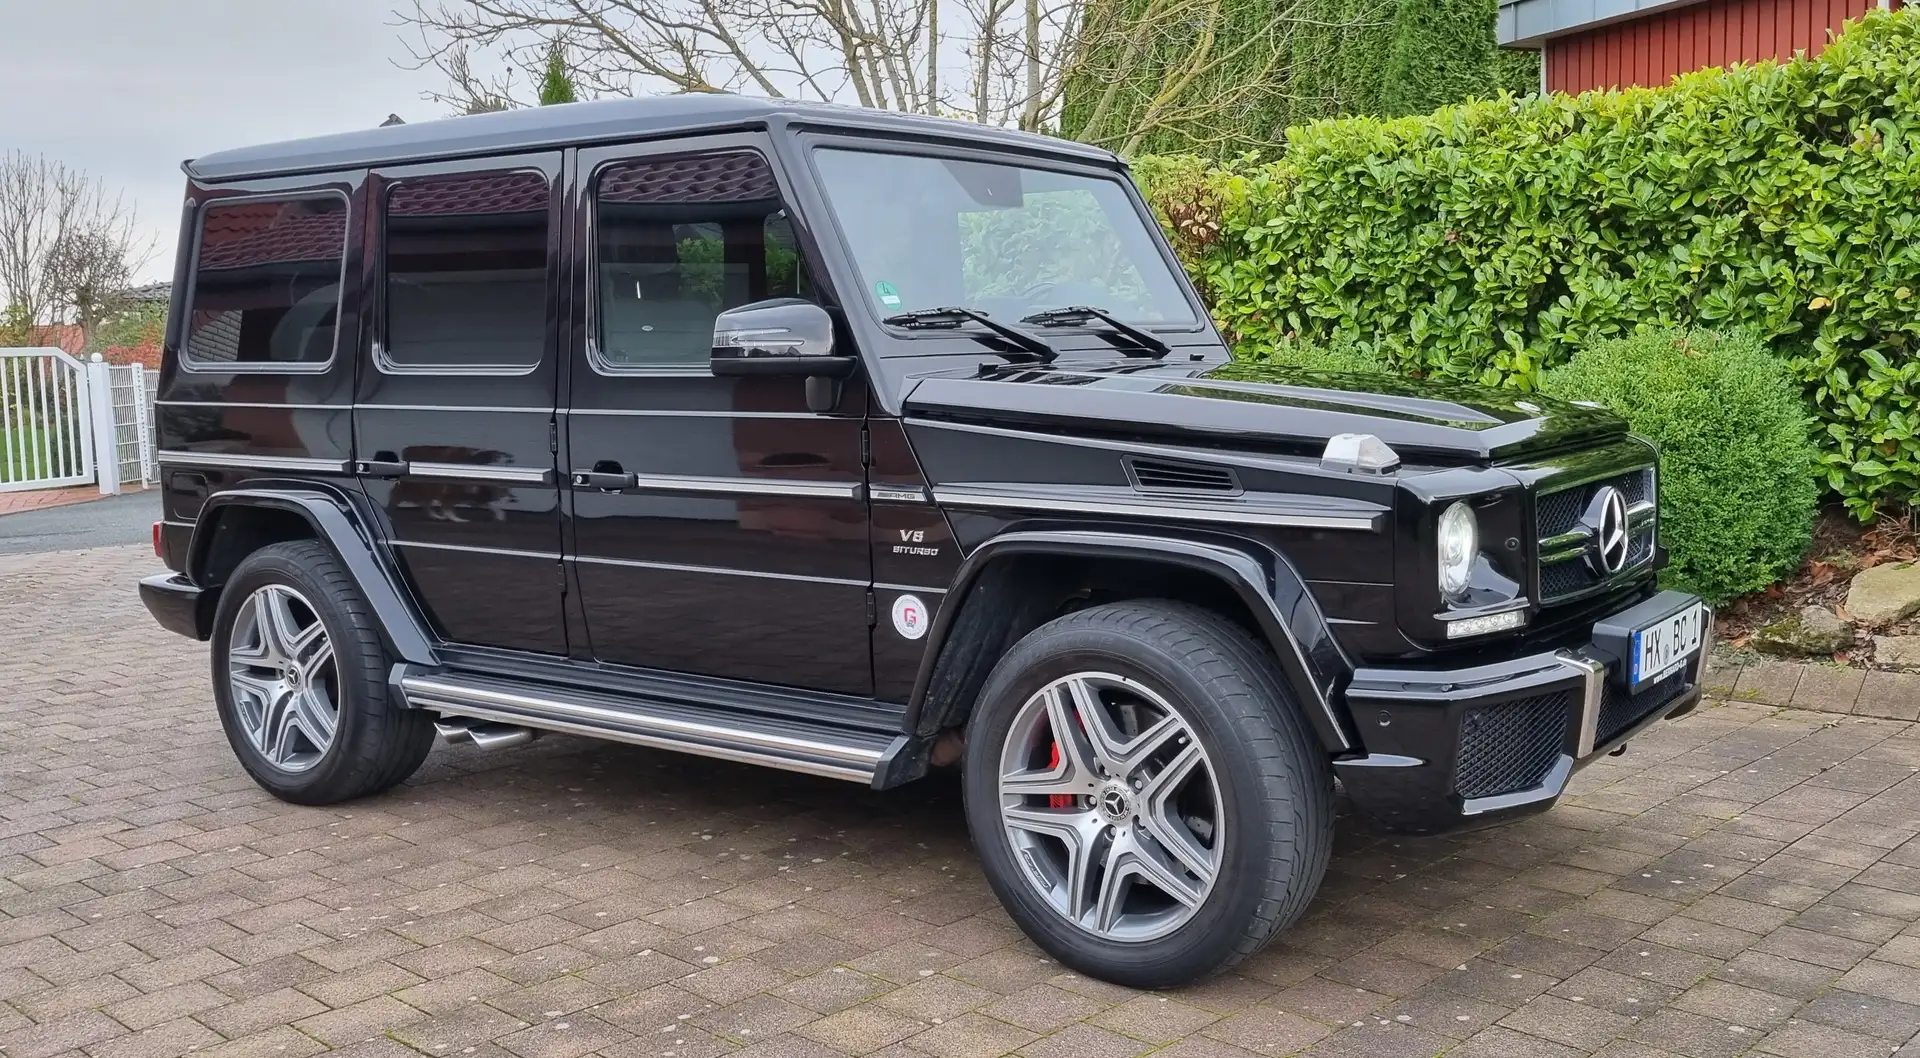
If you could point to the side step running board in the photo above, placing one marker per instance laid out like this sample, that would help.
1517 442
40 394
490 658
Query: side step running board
502 706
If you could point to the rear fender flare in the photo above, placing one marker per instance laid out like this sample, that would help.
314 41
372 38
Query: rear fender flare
1272 590
335 521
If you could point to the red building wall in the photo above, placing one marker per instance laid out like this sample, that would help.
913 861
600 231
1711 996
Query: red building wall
1650 50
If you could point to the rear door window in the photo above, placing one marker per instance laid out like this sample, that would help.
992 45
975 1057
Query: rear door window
466 272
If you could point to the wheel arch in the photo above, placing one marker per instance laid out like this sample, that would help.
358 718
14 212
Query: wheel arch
235 523
987 610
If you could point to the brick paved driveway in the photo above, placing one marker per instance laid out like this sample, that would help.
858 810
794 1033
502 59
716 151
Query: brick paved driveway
1745 880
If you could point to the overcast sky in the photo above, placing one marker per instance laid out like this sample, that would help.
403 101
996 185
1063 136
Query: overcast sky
126 89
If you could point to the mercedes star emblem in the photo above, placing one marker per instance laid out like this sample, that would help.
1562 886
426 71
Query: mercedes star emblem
1606 521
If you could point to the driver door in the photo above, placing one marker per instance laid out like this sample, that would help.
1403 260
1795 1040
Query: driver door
733 542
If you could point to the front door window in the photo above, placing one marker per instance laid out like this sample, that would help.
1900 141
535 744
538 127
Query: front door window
676 241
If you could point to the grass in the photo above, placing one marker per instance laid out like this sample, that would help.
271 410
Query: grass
21 455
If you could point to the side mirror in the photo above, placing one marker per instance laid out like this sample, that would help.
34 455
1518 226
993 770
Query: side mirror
783 336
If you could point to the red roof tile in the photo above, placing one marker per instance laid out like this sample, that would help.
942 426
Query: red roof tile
256 233
521 192
735 177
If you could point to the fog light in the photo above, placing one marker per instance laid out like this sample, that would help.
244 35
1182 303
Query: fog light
1493 622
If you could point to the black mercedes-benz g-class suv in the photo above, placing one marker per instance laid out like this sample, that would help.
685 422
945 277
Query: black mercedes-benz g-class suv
852 443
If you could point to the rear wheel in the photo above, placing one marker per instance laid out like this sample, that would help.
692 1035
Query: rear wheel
1144 797
299 676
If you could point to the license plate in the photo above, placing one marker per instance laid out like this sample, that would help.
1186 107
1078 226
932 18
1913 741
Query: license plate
1661 648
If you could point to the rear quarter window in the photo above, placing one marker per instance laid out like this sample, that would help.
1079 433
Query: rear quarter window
266 284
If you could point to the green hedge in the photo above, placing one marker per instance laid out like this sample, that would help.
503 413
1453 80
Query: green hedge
1489 241
1343 356
1337 57
1737 490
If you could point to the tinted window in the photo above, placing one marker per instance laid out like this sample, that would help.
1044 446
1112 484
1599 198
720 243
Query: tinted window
466 271
266 286
678 240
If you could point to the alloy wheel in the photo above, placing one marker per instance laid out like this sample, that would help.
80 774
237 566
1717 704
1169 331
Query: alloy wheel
1111 806
284 682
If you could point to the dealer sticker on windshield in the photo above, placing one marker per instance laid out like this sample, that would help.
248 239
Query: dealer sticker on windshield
887 294
1661 648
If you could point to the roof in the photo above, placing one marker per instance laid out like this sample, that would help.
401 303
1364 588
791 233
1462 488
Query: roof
249 234
605 120
1531 23
161 291
69 338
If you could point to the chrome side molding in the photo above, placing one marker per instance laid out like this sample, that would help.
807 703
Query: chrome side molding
246 461
1235 512
482 472
748 486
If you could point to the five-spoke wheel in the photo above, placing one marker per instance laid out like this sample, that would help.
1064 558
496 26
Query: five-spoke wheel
300 677
1144 794
1112 806
285 688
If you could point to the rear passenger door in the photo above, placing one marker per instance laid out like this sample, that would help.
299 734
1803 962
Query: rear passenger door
739 549
454 417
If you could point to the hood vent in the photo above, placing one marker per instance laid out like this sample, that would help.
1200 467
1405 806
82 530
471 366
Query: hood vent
1165 475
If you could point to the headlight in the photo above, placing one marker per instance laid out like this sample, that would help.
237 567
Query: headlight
1459 542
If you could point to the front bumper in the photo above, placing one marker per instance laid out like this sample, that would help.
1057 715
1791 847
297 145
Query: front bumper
176 603
1458 748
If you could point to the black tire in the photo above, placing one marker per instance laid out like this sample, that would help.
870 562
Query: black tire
1275 784
377 742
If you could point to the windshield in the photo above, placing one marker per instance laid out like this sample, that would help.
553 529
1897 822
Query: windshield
1000 239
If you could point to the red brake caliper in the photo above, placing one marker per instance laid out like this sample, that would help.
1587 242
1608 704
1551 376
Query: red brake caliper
1058 800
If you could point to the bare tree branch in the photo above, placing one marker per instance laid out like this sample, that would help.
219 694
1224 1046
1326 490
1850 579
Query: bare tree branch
1144 67
68 248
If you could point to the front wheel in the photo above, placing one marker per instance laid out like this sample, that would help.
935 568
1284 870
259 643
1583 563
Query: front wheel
1146 800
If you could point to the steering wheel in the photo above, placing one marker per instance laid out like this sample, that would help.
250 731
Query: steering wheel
1032 295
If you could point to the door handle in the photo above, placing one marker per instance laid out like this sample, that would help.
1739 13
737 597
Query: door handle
382 465
606 476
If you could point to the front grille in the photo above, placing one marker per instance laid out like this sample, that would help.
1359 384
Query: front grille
1558 514
1620 710
1511 746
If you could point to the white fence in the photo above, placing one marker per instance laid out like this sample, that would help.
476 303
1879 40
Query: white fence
133 390
46 434
64 422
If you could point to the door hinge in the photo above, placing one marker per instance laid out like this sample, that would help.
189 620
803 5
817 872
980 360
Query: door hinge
873 610
866 447
560 569
553 436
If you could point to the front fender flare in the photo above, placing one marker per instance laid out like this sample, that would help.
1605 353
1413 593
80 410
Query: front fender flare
1273 591
334 521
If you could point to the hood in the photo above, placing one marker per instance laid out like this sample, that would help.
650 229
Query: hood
1269 405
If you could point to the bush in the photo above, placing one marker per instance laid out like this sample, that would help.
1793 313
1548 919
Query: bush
1342 356
1737 487
1495 239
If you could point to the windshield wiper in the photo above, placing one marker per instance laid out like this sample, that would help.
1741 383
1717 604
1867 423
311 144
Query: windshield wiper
952 316
1078 315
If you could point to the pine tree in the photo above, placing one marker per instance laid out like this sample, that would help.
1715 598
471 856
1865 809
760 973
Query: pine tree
556 86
